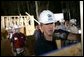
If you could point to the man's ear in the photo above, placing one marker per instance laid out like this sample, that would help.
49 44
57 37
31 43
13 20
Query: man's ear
40 27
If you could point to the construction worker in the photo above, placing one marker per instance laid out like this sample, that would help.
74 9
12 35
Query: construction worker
73 27
10 33
71 32
46 42
67 24
18 40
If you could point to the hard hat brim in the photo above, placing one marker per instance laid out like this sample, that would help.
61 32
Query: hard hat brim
47 22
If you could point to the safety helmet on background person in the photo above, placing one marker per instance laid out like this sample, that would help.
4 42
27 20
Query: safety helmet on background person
46 16
73 21
16 27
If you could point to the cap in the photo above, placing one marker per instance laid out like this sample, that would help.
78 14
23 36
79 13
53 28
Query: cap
46 16
73 21
16 27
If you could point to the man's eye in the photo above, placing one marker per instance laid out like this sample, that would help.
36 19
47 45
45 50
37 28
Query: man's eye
46 24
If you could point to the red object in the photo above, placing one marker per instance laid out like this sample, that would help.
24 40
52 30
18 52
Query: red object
18 40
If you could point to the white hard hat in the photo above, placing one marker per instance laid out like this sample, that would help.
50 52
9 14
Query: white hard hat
73 21
16 27
46 16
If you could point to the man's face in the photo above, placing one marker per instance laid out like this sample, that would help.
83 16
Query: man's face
48 28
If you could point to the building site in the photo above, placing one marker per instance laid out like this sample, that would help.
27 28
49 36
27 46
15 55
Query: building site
41 28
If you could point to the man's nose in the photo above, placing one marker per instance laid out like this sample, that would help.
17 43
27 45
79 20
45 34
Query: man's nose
51 25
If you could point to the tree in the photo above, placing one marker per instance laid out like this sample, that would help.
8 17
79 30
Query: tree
36 4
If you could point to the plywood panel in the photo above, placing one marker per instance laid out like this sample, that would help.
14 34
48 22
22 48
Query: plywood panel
73 50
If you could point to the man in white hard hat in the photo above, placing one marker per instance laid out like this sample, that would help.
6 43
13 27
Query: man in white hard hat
18 40
45 43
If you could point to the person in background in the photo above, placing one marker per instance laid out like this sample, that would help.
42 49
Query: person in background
67 24
60 25
73 27
37 32
57 24
18 40
73 32
10 33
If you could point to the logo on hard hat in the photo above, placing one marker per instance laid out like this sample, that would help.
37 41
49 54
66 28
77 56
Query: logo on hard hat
46 16
50 17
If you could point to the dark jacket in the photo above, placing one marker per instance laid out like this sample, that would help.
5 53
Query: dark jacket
43 46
